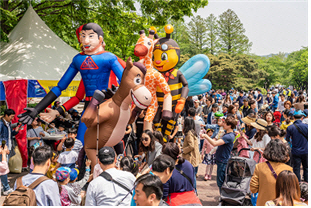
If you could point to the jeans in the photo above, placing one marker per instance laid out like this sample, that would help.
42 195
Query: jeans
4 179
201 144
259 106
221 173
195 178
297 161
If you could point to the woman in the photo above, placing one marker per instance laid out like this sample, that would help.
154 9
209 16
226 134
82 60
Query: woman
260 140
299 105
227 100
149 146
34 134
291 98
263 180
287 190
191 146
158 137
178 183
269 118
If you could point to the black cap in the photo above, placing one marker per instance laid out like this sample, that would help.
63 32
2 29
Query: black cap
214 105
106 155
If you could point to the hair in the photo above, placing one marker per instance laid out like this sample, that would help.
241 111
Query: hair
9 112
300 99
251 102
230 108
227 98
276 131
287 189
151 146
303 191
127 164
264 117
287 113
159 136
259 135
152 184
41 155
305 106
287 102
210 99
225 105
55 154
212 130
73 131
162 162
95 27
172 150
276 151
189 125
292 95
191 112
69 142
230 121
200 97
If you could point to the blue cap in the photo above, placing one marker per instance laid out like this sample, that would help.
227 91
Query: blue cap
299 114
305 111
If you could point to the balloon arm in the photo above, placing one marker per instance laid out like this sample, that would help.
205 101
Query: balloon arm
185 89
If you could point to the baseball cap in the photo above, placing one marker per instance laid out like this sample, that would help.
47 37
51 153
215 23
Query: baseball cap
74 172
245 100
62 173
106 155
196 101
305 111
215 105
299 114
219 114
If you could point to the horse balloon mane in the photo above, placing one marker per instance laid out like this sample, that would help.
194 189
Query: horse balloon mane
115 114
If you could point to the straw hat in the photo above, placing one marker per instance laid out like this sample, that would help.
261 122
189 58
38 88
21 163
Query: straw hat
248 120
260 124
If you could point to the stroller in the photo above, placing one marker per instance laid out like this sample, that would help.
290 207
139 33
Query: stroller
236 191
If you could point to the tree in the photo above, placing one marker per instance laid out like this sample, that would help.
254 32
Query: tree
231 34
118 18
196 32
212 38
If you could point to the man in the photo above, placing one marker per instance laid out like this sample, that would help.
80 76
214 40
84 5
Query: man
149 191
207 108
225 145
245 108
297 134
198 107
275 101
252 108
197 122
163 167
259 99
281 103
47 192
6 134
240 98
102 192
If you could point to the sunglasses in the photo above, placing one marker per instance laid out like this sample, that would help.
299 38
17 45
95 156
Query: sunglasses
144 139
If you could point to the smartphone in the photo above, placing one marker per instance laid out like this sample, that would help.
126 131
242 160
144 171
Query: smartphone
3 144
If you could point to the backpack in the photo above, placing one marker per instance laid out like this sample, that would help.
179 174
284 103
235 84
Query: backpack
23 195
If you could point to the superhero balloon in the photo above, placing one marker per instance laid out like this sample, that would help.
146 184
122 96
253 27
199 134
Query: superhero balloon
115 113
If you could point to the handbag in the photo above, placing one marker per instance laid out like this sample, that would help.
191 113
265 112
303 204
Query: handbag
37 144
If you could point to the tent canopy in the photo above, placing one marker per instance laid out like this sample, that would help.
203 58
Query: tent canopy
34 51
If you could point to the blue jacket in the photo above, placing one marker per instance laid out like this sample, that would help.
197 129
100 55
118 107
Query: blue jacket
299 142
275 101
4 135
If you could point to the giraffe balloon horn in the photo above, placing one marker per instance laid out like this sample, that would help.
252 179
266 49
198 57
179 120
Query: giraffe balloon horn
153 33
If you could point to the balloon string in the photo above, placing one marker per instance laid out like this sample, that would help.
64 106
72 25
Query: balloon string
97 134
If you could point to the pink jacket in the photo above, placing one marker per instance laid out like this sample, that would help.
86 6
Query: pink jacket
4 168
207 147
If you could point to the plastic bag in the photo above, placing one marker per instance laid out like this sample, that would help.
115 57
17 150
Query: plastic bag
254 199
16 162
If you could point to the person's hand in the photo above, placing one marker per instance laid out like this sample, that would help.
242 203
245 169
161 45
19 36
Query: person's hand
5 150
38 138
64 138
50 115
88 163
42 134
252 149
52 169
202 157
170 137
28 116
82 194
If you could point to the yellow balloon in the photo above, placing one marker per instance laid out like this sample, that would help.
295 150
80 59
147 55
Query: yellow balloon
169 28
154 29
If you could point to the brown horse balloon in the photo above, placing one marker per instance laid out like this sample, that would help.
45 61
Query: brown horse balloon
115 113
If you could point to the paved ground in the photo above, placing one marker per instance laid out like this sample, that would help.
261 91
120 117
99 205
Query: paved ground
207 190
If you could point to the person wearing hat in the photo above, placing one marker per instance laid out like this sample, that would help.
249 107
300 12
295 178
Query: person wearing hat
245 108
211 116
297 134
198 107
259 98
250 130
260 139
102 192
305 119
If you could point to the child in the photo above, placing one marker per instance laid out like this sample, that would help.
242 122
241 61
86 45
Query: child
69 157
31 150
287 122
4 168
50 173
61 130
52 129
72 132
208 159
67 195
304 192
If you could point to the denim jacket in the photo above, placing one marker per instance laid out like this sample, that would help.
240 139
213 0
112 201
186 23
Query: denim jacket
4 134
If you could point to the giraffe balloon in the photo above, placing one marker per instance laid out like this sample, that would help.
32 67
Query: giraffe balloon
153 79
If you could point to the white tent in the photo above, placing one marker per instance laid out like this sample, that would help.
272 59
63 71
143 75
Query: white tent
34 51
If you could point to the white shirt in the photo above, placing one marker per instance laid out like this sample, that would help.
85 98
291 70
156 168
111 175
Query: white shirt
68 157
263 143
101 192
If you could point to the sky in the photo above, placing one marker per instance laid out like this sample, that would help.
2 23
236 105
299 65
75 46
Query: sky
272 26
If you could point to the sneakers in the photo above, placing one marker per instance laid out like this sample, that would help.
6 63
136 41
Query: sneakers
209 177
205 177
6 193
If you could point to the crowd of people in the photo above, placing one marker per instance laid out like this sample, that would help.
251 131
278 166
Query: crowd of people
147 169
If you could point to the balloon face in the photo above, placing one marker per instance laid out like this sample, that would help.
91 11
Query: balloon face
164 60
90 41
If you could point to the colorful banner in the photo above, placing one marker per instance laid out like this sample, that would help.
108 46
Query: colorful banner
39 88
16 99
